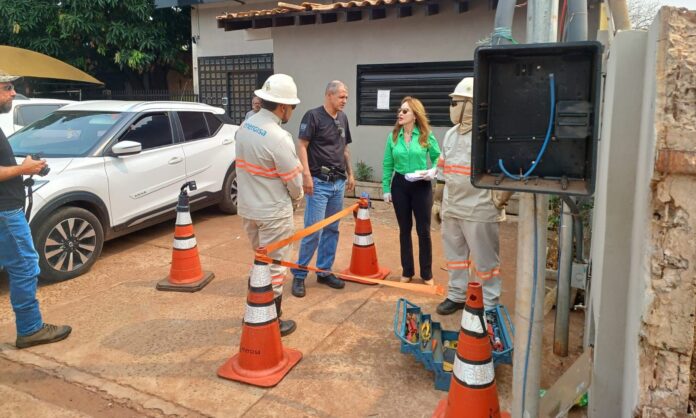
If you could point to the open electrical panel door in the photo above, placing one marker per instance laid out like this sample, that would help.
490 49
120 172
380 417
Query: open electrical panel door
536 117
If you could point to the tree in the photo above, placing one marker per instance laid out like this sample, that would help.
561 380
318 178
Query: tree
642 12
102 37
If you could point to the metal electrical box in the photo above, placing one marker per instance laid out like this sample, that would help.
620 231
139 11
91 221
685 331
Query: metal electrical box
536 117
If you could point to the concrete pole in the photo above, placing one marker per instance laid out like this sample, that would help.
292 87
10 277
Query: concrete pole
565 267
542 24
529 329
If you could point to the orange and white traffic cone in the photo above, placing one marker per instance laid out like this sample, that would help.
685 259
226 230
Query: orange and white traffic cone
262 360
473 393
185 274
363 260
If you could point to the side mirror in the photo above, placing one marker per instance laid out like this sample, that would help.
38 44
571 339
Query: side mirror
121 149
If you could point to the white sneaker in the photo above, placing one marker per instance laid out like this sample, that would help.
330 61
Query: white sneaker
405 279
430 282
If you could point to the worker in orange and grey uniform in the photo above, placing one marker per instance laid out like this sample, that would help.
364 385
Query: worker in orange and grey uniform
269 177
470 217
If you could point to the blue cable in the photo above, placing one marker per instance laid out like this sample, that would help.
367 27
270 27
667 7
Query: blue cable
546 140
531 313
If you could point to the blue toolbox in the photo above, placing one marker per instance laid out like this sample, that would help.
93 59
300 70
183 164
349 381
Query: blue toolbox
436 347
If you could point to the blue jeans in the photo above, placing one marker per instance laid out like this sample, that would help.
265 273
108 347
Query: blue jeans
18 256
326 201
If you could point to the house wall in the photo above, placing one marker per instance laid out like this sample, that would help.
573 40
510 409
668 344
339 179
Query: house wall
317 54
214 42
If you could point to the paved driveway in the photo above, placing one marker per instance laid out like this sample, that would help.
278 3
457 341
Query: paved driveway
158 352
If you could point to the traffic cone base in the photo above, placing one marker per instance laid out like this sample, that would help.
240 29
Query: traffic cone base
261 360
267 378
363 260
442 408
166 285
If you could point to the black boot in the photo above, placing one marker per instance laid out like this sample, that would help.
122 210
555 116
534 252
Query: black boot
286 327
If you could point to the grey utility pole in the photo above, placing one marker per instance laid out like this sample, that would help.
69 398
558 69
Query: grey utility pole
542 19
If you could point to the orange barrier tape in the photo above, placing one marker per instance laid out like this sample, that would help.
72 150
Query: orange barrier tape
436 290
310 230
421 288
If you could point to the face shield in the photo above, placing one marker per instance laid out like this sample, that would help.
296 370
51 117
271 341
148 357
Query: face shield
460 113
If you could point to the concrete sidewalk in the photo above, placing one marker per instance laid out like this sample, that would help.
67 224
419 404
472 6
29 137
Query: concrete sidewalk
158 352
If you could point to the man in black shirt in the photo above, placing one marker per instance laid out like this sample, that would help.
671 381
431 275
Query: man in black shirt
17 253
323 151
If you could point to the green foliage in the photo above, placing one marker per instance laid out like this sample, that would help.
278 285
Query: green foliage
585 206
363 172
99 36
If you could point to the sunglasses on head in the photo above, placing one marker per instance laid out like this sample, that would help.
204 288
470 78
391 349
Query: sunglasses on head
8 87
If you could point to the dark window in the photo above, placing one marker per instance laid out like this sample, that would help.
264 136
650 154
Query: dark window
214 123
430 82
151 131
193 125
234 78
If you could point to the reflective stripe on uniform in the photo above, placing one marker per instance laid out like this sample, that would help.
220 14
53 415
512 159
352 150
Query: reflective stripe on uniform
184 243
472 323
290 174
474 375
183 218
278 279
458 265
256 170
260 315
457 169
363 214
260 275
363 240
485 275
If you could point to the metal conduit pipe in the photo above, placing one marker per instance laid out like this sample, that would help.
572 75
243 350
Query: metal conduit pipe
577 228
502 26
565 266
576 28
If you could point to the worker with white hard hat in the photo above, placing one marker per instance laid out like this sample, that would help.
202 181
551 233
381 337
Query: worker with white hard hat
269 177
470 218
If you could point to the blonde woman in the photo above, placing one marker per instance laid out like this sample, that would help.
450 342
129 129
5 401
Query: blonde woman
407 183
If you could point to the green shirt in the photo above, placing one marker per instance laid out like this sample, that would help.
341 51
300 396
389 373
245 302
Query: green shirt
402 159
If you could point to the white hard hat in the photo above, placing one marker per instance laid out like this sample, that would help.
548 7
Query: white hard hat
279 88
465 88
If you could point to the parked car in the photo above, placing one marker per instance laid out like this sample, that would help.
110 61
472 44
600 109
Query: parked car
117 167
26 111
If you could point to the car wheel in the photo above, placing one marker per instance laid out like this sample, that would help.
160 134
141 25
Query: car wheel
68 242
228 204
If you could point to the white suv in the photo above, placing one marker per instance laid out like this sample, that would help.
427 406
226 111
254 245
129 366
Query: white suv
116 167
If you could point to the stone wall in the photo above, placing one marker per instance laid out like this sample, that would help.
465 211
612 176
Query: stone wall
666 343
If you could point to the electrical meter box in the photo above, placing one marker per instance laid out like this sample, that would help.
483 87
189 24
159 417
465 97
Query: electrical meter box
536 117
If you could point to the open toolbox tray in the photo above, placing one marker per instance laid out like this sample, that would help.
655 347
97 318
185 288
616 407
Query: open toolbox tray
432 345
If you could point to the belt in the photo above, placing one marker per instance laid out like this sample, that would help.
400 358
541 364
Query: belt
331 178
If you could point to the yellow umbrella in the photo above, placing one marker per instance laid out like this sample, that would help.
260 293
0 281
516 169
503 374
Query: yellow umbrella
26 63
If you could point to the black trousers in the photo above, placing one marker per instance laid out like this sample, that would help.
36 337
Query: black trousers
414 200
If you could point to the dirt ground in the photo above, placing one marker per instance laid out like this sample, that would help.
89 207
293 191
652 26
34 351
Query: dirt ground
32 390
